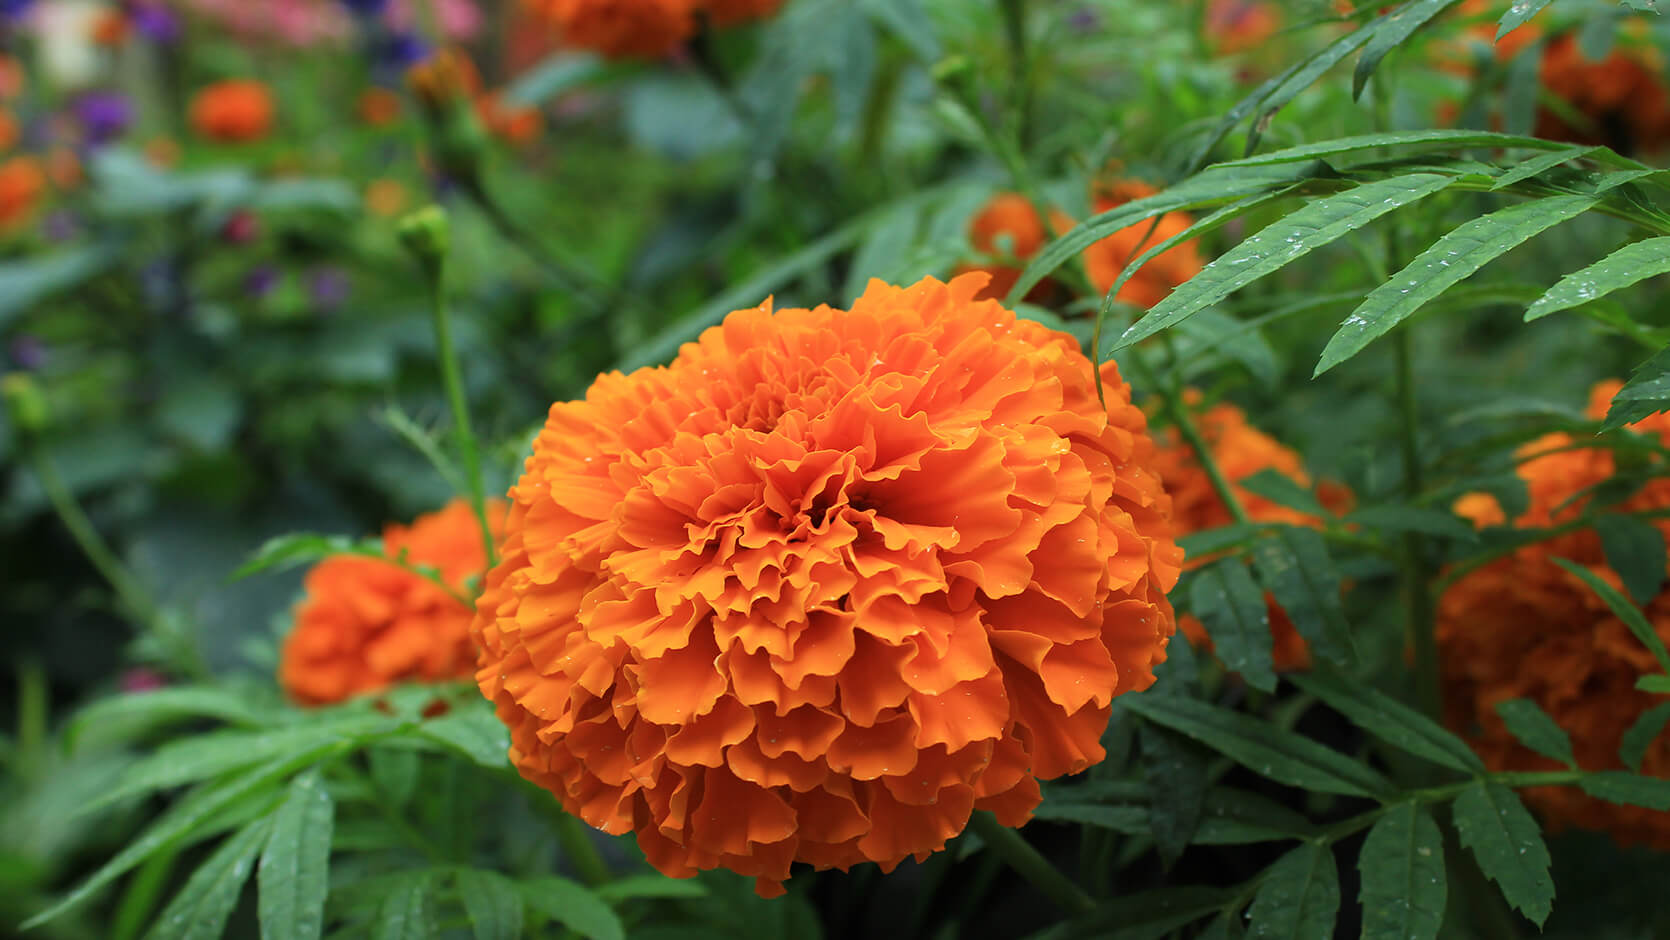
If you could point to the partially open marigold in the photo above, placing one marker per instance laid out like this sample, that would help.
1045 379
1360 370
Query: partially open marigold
368 624
1523 627
233 111
827 583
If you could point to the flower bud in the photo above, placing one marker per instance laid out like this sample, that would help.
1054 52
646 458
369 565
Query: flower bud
426 233
25 405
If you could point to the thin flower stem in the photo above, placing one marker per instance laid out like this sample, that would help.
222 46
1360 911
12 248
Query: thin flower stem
1020 68
1417 587
1172 404
1029 864
452 378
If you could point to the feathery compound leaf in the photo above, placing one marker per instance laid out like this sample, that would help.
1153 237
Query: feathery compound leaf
1625 611
1175 770
1402 864
1237 817
295 864
1615 786
1414 519
1232 609
1635 550
200 910
1440 140
1293 565
1504 838
1538 165
149 709
1283 756
1397 26
404 913
1299 896
1315 224
300 548
1517 15
1279 488
493 904
1391 721
1628 265
472 732
1457 255
1534 729
1640 736
573 906
1127 819
1647 392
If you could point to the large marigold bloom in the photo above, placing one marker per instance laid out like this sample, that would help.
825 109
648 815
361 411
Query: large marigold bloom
368 624
621 28
233 111
1523 627
827 583
1240 451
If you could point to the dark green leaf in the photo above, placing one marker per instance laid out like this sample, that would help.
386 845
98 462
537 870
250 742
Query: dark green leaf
1640 736
493 904
1538 165
1279 488
1212 541
575 907
1444 139
1298 898
632 887
472 732
300 548
1281 755
1647 392
908 20
1313 225
1449 260
1635 550
1534 729
1413 519
26 282
1625 611
1237 340
404 913
1233 611
1396 27
144 710
1239 817
200 910
295 864
1404 888
1504 838
1628 265
1392 721
1130 820
1293 565
395 772
1616 786
1175 770
1517 14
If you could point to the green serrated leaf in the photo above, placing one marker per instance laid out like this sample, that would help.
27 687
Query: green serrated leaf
1635 550
1404 888
493 903
574 906
1413 519
1616 786
1628 265
1212 541
1642 734
1658 684
1517 14
1174 769
1313 225
1298 898
1127 819
1449 260
1625 611
1239 817
633 887
1427 141
1396 27
1292 563
294 876
1279 488
1540 164
201 909
1232 609
1508 846
1647 392
1534 729
1391 721
473 732
404 913
144 710
1281 755
394 770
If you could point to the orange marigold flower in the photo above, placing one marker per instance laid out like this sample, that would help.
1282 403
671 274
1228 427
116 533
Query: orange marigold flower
21 183
8 131
378 107
233 111
1105 260
1009 226
444 79
621 28
112 28
1523 627
1239 25
367 624
1240 451
827 583
732 12
516 125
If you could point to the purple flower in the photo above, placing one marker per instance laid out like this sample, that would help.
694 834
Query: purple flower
13 10
27 352
401 50
155 21
104 114
260 281
329 288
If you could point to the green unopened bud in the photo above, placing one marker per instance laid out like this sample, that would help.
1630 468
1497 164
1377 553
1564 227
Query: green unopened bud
951 70
25 405
426 234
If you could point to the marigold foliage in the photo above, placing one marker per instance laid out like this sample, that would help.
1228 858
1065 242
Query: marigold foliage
233 111
1523 627
367 624
828 582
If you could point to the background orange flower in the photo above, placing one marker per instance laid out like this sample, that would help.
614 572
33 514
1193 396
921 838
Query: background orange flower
233 111
21 183
732 12
621 28
828 583
367 624
1522 627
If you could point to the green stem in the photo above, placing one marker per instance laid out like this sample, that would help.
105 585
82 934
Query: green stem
451 376
1020 68
1173 407
32 705
577 847
1029 864
1419 608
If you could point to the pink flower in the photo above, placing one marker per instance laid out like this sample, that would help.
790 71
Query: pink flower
460 20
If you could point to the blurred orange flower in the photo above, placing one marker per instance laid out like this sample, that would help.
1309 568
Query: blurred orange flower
8 131
732 12
446 77
385 197
1010 226
827 583
21 183
512 124
367 624
378 107
112 28
1235 26
621 28
162 151
1522 627
233 111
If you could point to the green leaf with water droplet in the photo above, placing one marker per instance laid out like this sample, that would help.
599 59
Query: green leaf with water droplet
1298 898
294 876
1174 769
1396 27
473 732
1233 611
1616 786
494 906
1540 164
1402 864
1517 14
1454 257
404 913
1508 846
1646 393
1640 736
1391 721
1428 141
1294 566
1534 729
1628 265
200 910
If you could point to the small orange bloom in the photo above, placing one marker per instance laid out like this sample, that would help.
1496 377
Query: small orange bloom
621 28
827 583
385 197
233 111
378 107
21 183
367 624
444 79
111 28
64 168
1236 26
515 125
1106 260
1522 627
732 12
1010 227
